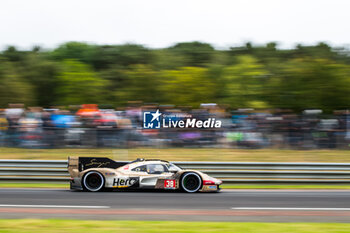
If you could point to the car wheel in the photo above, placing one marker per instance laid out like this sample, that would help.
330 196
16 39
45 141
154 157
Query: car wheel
93 181
191 182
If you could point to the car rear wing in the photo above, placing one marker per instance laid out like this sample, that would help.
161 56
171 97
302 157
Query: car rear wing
83 163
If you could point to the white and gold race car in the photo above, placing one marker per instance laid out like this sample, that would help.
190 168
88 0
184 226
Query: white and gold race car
97 173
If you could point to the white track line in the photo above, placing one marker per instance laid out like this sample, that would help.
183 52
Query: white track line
56 206
287 208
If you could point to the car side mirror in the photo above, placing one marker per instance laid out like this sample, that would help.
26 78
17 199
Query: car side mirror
173 170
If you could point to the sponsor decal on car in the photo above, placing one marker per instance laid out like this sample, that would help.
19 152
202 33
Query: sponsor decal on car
169 184
209 187
94 162
109 173
125 182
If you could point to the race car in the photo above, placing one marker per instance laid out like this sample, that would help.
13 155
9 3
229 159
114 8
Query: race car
97 173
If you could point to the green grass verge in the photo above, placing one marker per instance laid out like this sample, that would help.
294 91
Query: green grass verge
185 154
228 186
76 226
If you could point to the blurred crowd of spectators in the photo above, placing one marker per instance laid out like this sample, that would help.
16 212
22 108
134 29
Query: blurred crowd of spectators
93 126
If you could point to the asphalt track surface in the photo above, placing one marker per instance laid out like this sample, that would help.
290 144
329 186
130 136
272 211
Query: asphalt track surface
228 205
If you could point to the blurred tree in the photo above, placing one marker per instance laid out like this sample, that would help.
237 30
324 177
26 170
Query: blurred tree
121 55
187 73
78 84
187 86
194 53
321 50
137 82
116 77
13 89
36 49
79 51
264 54
245 83
42 74
12 54
216 74
165 59
311 83
143 84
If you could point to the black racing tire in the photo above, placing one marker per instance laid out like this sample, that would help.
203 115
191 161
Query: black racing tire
93 181
191 182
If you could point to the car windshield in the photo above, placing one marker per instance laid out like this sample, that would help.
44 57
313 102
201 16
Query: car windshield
155 168
173 167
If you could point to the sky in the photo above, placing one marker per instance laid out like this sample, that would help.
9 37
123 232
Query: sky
162 23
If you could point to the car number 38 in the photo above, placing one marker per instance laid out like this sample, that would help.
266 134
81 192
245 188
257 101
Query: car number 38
170 184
